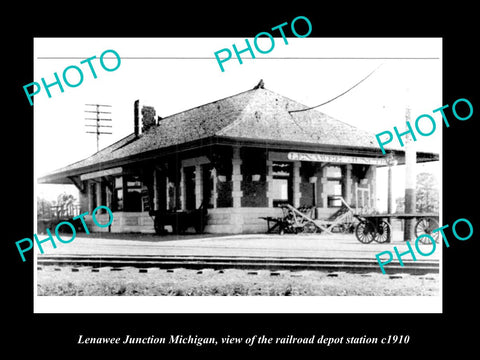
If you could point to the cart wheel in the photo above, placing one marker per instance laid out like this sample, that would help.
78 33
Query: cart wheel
384 232
348 228
310 228
365 231
426 226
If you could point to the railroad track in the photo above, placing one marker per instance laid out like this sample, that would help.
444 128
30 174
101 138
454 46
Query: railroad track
352 265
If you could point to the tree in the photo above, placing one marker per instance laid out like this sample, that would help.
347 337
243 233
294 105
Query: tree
64 204
427 193
62 207
44 208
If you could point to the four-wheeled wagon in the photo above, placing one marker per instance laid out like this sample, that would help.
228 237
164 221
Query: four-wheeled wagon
378 226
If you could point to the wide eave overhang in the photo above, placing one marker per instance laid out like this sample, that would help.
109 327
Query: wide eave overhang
71 175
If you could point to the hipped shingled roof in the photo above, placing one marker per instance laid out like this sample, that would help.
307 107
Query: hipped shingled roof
257 114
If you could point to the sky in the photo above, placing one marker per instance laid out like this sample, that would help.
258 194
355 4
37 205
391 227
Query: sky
176 74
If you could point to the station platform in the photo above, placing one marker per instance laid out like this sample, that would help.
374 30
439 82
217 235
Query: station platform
332 246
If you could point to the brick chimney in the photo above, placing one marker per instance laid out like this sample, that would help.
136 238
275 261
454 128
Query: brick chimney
148 118
136 118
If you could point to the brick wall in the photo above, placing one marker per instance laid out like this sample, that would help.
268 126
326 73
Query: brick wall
122 222
239 220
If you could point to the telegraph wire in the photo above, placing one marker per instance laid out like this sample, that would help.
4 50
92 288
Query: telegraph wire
336 97
326 102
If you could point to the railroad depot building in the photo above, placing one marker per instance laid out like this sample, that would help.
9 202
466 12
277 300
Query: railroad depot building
240 157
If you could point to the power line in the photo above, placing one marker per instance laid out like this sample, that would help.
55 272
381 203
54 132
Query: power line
336 97
326 102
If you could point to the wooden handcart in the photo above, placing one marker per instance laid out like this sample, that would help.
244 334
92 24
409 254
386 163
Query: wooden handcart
301 220
378 226
292 221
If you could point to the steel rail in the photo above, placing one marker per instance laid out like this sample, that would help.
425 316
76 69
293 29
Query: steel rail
352 265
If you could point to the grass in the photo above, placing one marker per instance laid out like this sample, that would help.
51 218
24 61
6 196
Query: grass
62 281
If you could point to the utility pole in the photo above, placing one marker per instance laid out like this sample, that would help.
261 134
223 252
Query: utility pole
410 183
98 120
391 161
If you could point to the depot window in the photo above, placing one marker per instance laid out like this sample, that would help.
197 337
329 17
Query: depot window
130 193
282 183
334 186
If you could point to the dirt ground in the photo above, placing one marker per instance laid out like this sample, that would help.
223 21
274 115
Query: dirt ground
129 281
